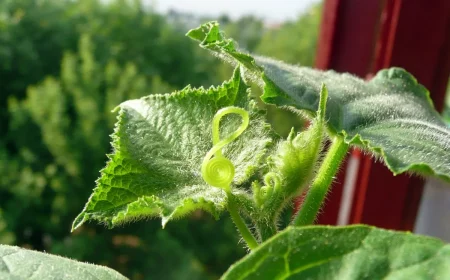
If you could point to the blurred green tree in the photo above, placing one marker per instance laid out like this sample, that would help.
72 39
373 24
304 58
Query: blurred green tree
294 42
247 30
35 34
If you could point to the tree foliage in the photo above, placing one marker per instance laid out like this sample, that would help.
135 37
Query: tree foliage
293 42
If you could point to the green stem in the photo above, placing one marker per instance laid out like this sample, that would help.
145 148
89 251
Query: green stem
319 188
240 224
266 229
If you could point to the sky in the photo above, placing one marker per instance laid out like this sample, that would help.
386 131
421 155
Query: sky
271 10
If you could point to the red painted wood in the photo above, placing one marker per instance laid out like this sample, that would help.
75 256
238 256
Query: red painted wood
386 37
421 44
348 45
412 203
326 33
415 35
360 187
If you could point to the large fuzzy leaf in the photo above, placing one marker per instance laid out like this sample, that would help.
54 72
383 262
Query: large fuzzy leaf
354 252
391 115
17 264
159 144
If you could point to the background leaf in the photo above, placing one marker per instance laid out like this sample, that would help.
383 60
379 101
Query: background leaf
17 263
391 115
159 144
354 252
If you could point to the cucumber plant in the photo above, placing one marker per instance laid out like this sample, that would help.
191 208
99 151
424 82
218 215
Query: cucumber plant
212 149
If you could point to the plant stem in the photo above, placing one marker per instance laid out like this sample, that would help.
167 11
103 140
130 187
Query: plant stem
266 229
240 224
319 188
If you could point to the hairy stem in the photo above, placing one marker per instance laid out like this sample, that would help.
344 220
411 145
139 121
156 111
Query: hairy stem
266 229
319 188
240 224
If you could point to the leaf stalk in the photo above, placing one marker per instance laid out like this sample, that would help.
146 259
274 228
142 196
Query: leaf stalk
321 184
240 224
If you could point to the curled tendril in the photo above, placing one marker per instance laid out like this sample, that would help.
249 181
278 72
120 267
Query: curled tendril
272 183
272 180
217 170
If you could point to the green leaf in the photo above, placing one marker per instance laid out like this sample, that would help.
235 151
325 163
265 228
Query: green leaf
391 116
17 263
159 144
354 252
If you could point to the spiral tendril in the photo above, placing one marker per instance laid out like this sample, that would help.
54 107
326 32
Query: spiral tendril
272 180
217 170
264 194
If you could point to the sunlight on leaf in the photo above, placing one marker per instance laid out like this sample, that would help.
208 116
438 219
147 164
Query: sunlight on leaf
391 116
159 144
18 263
354 252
